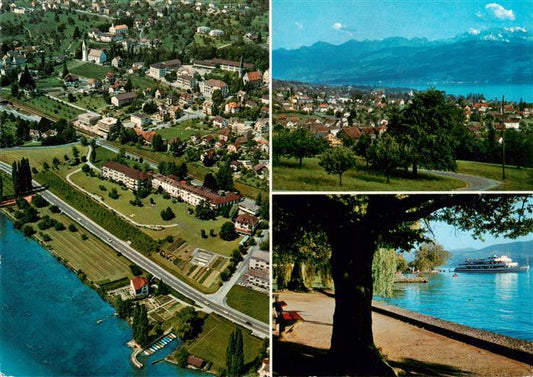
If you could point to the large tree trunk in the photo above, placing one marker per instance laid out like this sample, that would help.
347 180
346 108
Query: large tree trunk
352 349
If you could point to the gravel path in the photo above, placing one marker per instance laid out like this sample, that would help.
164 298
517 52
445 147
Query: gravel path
410 349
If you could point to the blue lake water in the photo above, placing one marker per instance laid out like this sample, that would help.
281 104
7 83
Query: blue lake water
500 302
512 92
48 321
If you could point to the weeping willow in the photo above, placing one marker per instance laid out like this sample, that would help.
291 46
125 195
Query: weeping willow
383 270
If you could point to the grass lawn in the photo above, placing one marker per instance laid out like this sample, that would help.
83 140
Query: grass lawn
143 82
183 132
49 82
212 342
103 155
249 302
52 108
7 184
515 179
90 102
89 70
97 260
38 156
189 226
311 177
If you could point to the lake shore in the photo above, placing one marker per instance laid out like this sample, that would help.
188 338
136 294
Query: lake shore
409 349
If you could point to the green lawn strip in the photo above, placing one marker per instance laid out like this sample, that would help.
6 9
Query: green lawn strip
180 132
212 342
49 82
311 177
103 155
515 179
90 70
250 302
7 183
102 216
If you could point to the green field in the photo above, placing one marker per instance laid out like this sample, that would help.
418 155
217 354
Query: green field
49 82
144 82
515 179
7 184
182 131
53 108
249 302
89 70
189 227
311 177
103 155
38 156
212 342
97 260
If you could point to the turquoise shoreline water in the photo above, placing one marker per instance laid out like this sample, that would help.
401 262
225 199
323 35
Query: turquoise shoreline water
48 322
498 302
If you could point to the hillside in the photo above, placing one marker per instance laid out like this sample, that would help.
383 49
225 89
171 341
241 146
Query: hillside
520 252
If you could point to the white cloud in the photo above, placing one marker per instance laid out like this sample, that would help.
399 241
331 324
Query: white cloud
499 12
473 31
299 25
515 29
342 28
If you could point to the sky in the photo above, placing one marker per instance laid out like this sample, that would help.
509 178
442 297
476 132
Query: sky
453 239
304 22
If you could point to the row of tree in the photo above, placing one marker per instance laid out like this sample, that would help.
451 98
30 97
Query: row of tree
21 175
235 354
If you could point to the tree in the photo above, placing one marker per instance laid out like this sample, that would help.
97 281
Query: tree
140 325
337 161
157 143
182 356
385 153
383 270
65 69
15 90
235 354
427 127
210 182
224 177
357 226
167 214
430 255
298 144
188 323
113 193
135 270
39 202
75 152
217 97
26 80
203 211
227 231
129 86
92 156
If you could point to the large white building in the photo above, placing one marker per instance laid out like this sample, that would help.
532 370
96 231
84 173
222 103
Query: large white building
131 178
194 195
208 87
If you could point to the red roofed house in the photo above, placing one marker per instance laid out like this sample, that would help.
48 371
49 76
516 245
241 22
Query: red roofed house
148 136
353 133
195 361
123 99
131 178
254 78
139 287
246 223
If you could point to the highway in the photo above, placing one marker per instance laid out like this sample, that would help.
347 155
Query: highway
258 328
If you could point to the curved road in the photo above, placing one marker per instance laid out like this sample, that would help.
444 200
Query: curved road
257 327
473 182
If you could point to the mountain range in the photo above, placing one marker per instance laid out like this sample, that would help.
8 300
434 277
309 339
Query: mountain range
494 56
521 252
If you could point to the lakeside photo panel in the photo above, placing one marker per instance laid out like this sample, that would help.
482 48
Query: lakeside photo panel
402 284
402 96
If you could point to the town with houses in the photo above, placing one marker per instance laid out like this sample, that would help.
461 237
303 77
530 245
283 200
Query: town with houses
164 108
358 117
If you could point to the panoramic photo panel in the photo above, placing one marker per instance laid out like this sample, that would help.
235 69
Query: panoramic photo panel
134 188
395 285
402 96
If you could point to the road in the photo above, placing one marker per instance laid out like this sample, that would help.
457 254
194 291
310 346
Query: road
258 328
473 182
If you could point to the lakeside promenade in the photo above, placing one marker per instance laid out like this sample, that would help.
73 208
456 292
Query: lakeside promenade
410 349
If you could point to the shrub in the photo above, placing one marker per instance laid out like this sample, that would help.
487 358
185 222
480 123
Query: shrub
28 230
54 209
59 226
227 231
135 270
72 228
46 237
39 202
84 237
167 214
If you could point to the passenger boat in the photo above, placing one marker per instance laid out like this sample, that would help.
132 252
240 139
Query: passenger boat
491 264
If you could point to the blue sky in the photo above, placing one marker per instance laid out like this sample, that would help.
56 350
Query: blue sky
452 239
304 22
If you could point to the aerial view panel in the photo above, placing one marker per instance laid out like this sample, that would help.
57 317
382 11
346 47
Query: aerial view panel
402 96
134 181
